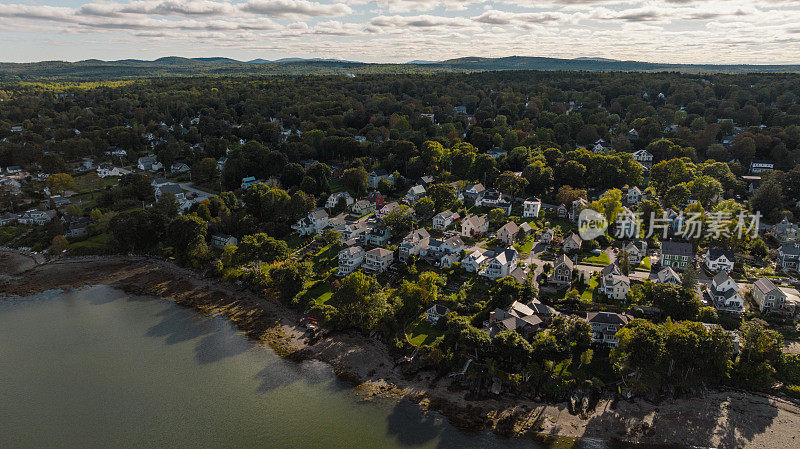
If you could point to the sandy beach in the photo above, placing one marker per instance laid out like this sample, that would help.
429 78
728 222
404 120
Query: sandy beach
722 419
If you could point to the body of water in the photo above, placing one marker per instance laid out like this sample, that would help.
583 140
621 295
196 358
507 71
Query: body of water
97 368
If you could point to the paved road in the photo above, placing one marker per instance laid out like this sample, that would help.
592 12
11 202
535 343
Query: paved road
188 186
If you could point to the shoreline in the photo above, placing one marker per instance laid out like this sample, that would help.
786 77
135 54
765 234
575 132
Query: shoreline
723 419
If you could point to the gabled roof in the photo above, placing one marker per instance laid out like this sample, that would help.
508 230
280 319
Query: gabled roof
667 273
715 253
611 268
720 277
676 248
380 252
573 238
563 260
509 227
764 285
608 318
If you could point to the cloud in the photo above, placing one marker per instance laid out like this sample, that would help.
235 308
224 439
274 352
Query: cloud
295 8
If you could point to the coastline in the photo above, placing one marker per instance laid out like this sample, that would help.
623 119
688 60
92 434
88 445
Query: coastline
723 419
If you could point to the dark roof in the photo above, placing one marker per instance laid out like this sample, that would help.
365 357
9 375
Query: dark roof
715 253
764 284
790 250
608 318
677 248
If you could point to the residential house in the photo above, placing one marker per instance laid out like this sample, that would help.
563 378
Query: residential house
350 259
547 236
426 180
37 217
443 252
13 169
355 230
474 225
473 191
378 236
643 157
605 326
475 261
435 312
376 176
493 200
572 243
496 152
636 251
413 244
334 199
77 228
760 166
223 240
531 208
526 229
157 182
415 193
58 201
376 198
785 231
676 254
576 208
667 276
362 207
719 259
725 293
106 170
386 209
174 189
501 264
789 257
378 260
634 196
633 134
444 219
562 211
149 163
313 223
613 283
508 233
517 317
179 167
770 298
562 271
249 182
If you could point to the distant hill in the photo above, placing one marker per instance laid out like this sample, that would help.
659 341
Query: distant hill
94 69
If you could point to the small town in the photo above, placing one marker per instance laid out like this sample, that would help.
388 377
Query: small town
490 246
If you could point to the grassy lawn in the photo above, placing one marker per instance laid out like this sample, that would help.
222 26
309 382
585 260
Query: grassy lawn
96 244
294 241
588 294
421 333
526 246
644 265
8 233
321 292
601 260
90 182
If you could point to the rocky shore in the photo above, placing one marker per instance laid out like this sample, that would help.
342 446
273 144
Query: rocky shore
714 419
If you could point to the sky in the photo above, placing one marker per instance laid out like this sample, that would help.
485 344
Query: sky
675 31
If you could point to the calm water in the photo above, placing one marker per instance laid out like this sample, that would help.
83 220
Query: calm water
96 368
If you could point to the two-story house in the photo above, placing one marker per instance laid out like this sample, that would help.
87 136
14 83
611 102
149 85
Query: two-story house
475 261
443 252
149 163
768 297
334 199
644 158
37 217
719 259
413 244
785 231
444 219
677 255
760 166
473 191
313 223
474 225
667 276
223 240
350 259
508 233
362 207
562 271
636 250
613 283
501 264
376 176
386 209
378 235
415 193
531 208
605 326
572 244
576 208
789 257
634 196
725 293
378 260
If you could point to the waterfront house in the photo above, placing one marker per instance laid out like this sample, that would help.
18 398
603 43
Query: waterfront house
605 326
517 317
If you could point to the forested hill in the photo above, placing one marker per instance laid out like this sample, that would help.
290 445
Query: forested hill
94 69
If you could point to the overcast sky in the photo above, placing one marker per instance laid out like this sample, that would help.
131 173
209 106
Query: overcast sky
686 31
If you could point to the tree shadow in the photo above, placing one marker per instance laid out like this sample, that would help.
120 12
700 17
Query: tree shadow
281 373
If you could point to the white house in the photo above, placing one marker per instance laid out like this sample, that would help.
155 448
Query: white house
106 170
37 217
149 163
760 166
413 244
634 195
444 219
223 240
531 208
643 157
725 293
667 275
350 259
313 223
613 283
386 209
718 259
474 225
501 264
378 260
475 261
333 200
415 193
